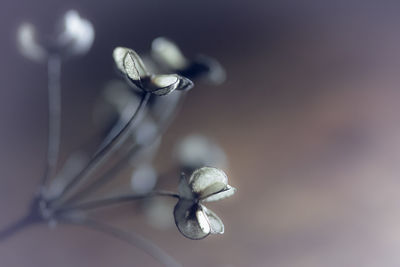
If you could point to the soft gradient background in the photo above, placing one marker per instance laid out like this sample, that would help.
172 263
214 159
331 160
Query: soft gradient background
309 117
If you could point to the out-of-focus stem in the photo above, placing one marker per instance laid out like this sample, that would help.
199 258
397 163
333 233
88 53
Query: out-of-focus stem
54 104
162 126
114 144
131 238
18 225
116 200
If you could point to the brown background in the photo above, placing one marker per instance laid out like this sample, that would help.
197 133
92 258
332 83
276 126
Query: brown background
308 117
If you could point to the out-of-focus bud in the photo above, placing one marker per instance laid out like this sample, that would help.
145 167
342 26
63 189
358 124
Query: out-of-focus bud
78 34
143 179
28 44
74 37
167 54
195 151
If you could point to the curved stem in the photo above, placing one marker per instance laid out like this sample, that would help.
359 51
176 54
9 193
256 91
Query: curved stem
163 125
17 226
103 179
54 104
102 155
115 200
131 238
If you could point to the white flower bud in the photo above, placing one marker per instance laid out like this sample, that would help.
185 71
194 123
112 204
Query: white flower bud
76 37
28 44
78 34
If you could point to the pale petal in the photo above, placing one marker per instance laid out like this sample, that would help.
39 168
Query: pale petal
216 225
167 83
203 220
227 192
129 62
134 67
191 220
164 80
207 180
163 84
119 54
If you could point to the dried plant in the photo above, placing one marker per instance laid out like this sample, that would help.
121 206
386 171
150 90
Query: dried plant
143 108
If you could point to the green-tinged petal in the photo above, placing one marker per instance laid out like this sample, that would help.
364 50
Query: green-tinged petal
227 192
191 220
163 84
134 66
119 54
217 226
207 181
129 62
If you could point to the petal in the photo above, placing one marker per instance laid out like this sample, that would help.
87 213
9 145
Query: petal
227 192
207 181
185 84
119 55
203 220
217 226
167 83
134 66
191 220
163 84
129 62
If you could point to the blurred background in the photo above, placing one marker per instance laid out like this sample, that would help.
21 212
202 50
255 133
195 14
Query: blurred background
308 117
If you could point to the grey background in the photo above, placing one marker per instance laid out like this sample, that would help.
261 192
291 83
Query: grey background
308 117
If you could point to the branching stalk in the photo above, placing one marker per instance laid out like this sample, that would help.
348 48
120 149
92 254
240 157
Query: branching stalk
102 155
100 203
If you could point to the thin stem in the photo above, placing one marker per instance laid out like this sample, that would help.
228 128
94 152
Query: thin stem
100 203
102 155
54 104
17 226
163 125
131 238
104 178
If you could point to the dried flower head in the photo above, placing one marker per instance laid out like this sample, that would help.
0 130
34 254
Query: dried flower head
193 219
130 64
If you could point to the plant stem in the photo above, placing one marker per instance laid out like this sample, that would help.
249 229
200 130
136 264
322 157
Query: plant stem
102 155
115 200
129 237
54 105
18 225
162 126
